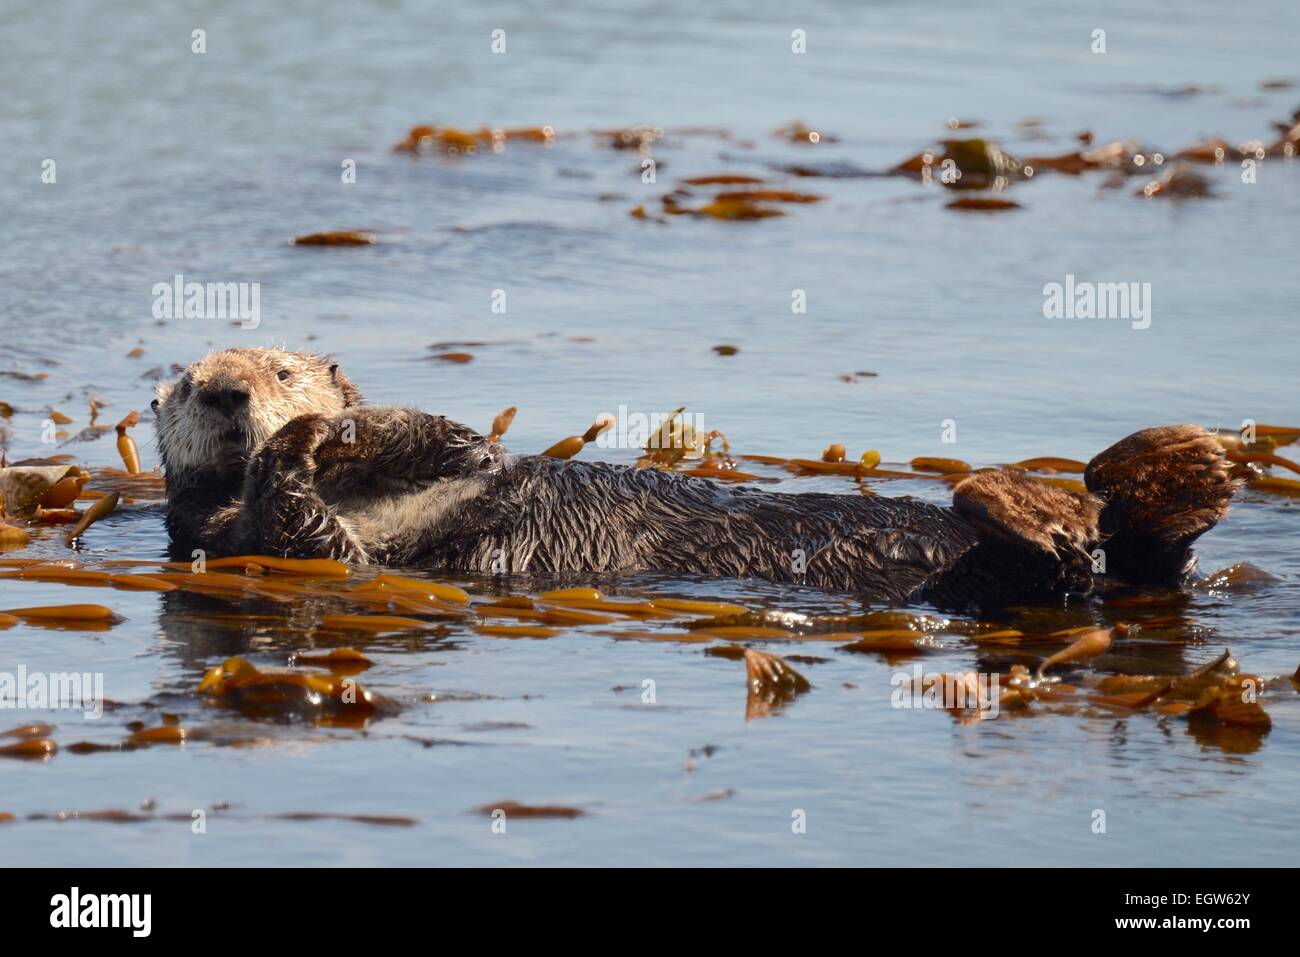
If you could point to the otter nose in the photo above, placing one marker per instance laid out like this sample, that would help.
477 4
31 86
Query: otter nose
226 398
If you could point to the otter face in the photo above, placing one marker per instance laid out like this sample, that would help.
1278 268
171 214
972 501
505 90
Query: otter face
229 403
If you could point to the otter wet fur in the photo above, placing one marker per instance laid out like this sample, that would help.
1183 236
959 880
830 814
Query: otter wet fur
273 452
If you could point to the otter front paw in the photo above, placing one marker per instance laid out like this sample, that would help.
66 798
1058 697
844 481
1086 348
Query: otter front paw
394 450
366 434
1010 507
290 454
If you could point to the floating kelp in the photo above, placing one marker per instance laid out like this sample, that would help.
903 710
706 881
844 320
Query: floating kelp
1090 644
64 573
723 179
163 734
449 141
942 465
273 693
630 609
767 196
1049 463
714 608
97 510
979 164
1278 486
29 749
442 139
524 608
798 132
340 660
338 238
435 590
11 536
734 210
501 424
1289 142
676 441
982 204
893 645
64 613
126 445
514 809
770 683
1180 182
1073 163
1265 458
380 820
24 489
639 138
1213 150
572 594
307 567
37 730
64 492
568 448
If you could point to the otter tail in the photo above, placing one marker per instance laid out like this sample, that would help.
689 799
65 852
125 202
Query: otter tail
1162 489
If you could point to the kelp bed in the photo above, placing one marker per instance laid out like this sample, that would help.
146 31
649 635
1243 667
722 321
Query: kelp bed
319 621
976 174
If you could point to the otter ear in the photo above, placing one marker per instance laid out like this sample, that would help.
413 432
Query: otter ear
351 395
163 391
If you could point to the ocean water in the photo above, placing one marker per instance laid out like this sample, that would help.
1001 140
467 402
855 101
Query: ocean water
206 165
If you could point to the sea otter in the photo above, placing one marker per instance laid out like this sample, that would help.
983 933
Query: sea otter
269 451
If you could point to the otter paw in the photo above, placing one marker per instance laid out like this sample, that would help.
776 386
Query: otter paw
356 436
1010 507
1169 484
291 450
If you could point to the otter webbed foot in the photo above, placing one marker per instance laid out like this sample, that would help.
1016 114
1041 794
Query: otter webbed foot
1034 541
1163 488
1010 507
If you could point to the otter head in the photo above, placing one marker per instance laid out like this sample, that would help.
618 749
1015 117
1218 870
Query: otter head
229 403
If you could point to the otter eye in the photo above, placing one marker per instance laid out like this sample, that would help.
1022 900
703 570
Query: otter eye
283 375
154 405
185 389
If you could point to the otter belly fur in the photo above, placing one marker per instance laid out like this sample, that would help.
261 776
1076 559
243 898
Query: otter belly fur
398 526
254 466
540 515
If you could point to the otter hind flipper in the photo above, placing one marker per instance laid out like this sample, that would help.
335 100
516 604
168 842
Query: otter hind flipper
1034 541
1010 507
1163 488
